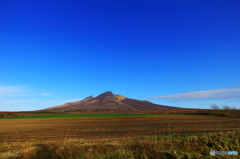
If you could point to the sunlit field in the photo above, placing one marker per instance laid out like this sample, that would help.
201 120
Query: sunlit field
147 136
112 127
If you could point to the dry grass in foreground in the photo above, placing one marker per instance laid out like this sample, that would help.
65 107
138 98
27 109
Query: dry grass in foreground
179 147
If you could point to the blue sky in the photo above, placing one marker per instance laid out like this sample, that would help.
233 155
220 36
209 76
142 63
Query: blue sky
181 53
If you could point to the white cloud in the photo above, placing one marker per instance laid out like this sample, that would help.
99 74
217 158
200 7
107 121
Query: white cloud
11 90
54 102
16 104
30 104
46 94
20 98
226 93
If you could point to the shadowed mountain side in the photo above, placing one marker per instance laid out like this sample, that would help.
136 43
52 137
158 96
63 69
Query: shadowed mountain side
109 102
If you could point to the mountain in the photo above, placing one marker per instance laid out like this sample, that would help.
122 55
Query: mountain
110 102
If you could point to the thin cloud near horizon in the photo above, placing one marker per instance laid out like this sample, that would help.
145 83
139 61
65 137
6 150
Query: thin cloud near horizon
14 91
11 90
22 98
226 93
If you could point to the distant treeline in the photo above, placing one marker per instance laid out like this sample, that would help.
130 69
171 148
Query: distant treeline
217 112
11 114
18 114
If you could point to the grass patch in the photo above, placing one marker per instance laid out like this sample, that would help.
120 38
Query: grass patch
83 115
195 146
171 137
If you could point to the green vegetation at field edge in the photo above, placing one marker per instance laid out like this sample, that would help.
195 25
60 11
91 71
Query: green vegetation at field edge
85 115
171 137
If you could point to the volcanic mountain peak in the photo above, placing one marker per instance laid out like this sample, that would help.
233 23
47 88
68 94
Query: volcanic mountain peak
110 102
107 96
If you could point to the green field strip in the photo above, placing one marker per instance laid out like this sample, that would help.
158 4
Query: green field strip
84 115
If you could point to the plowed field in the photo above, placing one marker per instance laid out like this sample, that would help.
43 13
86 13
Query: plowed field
112 127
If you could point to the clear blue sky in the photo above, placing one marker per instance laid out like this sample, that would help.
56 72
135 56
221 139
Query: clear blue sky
182 53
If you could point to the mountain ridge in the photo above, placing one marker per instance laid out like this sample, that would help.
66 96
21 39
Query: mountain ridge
108 101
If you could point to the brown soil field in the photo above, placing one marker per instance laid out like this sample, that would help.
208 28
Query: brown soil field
112 127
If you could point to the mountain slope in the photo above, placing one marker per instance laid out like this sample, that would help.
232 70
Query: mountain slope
110 102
